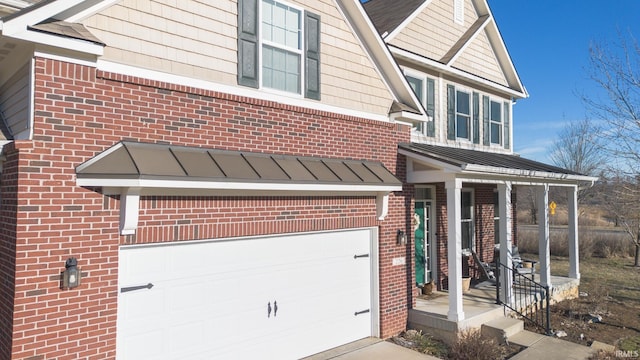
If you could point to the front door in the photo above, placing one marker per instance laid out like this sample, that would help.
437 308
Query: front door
422 225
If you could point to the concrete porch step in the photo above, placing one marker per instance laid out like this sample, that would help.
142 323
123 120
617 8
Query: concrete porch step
525 338
502 329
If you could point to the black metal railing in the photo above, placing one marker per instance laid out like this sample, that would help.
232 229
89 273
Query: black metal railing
529 299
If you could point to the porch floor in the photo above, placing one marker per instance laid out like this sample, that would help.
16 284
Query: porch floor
479 306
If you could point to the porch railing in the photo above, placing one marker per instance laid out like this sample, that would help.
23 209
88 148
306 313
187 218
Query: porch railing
530 299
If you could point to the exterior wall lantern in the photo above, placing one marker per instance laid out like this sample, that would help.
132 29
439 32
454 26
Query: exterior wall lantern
401 238
71 275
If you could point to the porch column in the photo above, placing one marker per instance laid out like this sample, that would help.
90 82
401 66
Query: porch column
542 195
574 258
506 277
454 250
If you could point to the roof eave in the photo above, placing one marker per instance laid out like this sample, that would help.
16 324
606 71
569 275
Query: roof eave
440 67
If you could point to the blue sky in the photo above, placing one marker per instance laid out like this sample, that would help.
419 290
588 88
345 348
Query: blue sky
548 41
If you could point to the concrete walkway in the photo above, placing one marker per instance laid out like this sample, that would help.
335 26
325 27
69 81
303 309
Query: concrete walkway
537 347
548 348
371 349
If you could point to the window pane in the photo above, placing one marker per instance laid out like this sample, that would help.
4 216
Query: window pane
496 205
495 133
280 69
293 29
496 112
496 231
462 103
267 19
416 85
423 194
465 198
462 126
466 235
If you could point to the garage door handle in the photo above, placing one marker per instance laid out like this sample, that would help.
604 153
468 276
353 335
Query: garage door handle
361 312
133 288
361 256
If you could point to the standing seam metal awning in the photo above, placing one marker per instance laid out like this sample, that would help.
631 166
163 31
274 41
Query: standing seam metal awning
132 169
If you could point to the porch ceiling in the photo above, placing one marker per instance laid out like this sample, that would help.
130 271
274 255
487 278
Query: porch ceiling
484 166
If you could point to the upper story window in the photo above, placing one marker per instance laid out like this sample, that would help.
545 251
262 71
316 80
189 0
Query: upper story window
278 47
470 119
424 88
281 46
463 115
495 123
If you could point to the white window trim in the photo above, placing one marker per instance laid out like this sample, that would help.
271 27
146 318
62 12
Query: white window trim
261 43
501 131
496 202
470 128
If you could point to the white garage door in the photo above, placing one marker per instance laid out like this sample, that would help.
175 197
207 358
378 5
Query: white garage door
281 297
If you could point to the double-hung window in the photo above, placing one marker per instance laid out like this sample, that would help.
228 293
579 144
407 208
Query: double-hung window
424 88
463 115
495 124
466 219
281 46
278 47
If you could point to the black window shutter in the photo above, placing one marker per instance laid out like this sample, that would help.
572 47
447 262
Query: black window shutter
485 121
476 118
248 43
431 107
507 124
312 55
451 112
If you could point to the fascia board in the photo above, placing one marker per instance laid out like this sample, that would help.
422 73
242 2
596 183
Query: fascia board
498 44
382 58
36 14
440 67
389 37
85 10
473 168
230 185
60 42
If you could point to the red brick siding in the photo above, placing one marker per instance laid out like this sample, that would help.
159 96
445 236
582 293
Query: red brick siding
80 112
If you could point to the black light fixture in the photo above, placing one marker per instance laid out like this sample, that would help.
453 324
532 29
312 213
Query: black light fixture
71 275
401 238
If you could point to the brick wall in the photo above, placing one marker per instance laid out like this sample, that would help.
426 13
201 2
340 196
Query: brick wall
80 112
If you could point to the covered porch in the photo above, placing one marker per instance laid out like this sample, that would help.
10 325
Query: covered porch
455 169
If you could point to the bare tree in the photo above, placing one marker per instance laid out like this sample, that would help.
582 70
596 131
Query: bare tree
615 68
579 148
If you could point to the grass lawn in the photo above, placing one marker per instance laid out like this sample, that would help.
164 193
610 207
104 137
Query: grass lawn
612 289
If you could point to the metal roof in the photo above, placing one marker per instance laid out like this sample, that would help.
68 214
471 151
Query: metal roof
463 158
135 160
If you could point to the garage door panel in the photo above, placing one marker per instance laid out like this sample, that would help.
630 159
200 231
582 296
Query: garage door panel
217 308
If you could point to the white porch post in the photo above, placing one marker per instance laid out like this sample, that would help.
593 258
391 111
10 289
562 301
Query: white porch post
574 258
542 195
454 250
506 277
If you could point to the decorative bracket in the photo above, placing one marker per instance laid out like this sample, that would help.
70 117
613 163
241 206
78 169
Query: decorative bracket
129 209
382 205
